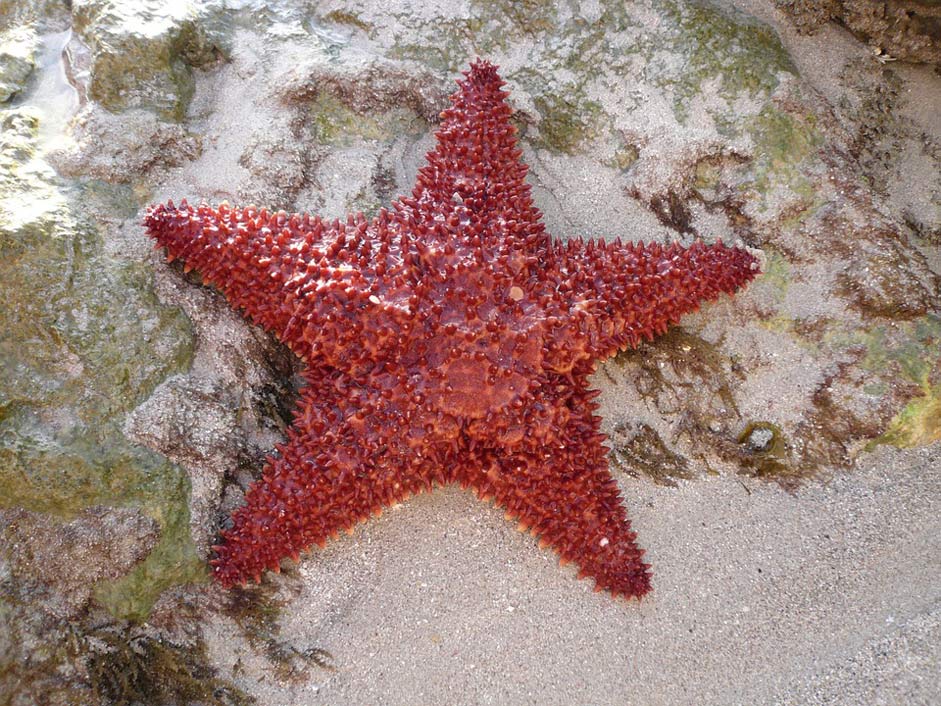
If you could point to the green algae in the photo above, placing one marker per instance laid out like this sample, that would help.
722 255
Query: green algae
690 359
775 279
441 44
911 347
334 123
746 56
910 350
446 43
916 356
345 17
645 452
783 143
531 18
257 612
125 667
83 341
143 54
565 44
776 273
764 451
568 118
918 424
624 157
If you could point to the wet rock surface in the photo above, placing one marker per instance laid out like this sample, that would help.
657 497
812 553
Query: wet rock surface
65 560
143 54
896 29
135 406
17 59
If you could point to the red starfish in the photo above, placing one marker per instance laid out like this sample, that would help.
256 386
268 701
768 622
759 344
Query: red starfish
450 339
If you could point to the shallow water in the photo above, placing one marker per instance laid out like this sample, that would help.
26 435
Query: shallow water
50 93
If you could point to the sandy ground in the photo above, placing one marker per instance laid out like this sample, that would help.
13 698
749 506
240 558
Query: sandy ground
831 595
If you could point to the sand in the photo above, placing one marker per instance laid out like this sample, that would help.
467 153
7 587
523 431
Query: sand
830 595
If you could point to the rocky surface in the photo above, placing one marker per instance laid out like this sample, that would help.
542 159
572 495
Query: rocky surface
897 29
135 406
17 59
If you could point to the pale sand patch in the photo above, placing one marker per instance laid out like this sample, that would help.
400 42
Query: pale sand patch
760 596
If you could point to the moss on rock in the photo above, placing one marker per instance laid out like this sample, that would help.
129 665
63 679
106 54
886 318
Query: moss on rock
143 53
707 42
783 142
82 342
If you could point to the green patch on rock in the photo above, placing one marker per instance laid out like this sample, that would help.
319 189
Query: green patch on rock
705 42
775 280
441 44
624 158
336 124
911 349
916 355
764 451
83 341
345 17
918 424
776 274
566 123
522 17
143 53
782 143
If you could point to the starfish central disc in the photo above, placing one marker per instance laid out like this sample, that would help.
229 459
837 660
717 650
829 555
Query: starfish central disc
448 340
481 372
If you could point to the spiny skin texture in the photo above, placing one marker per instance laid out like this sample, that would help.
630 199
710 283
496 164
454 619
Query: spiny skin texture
447 340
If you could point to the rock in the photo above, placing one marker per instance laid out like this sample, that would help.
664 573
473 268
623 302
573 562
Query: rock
63 560
18 48
49 14
370 85
896 29
83 342
123 149
809 15
143 54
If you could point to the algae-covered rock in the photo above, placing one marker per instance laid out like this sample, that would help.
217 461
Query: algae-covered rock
82 342
51 13
895 29
64 559
17 58
369 85
344 121
123 149
144 53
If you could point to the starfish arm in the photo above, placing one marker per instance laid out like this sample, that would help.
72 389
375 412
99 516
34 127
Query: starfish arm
475 175
623 294
271 265
557 486
345 458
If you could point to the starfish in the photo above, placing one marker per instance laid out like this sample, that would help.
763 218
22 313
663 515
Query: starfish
447 339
